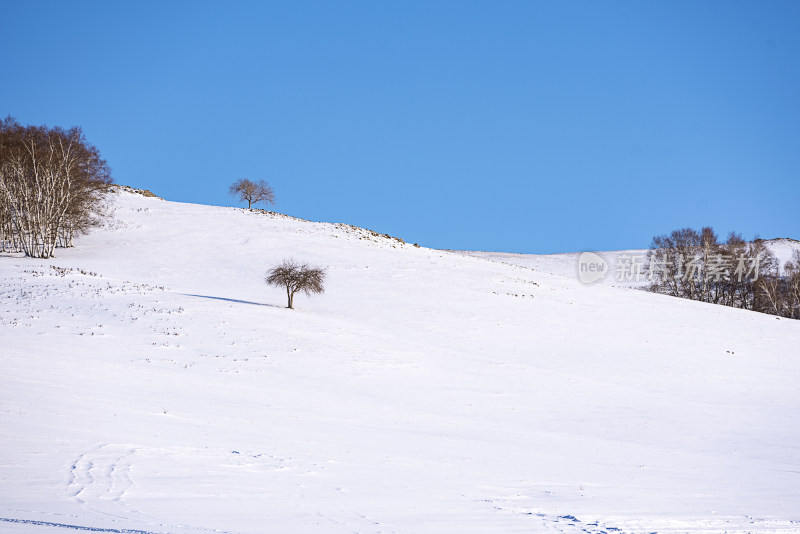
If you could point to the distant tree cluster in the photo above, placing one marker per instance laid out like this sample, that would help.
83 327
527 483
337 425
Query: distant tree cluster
696 265
52 183
253 192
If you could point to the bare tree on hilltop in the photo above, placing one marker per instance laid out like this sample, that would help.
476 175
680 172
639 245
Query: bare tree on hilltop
296 277
253 192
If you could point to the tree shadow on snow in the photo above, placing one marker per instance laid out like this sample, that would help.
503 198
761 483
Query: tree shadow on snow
237 301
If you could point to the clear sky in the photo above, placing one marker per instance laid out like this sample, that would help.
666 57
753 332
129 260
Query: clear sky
532 126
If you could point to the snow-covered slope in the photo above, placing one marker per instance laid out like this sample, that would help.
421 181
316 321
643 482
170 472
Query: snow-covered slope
783 248
151 382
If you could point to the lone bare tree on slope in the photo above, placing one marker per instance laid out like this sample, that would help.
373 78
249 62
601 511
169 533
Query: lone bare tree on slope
296 277
253 192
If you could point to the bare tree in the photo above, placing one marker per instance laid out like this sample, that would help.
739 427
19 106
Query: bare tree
668 256
296 277
8 236
51 182
694 265
253 192
792 270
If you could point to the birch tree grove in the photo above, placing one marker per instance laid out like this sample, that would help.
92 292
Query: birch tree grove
52 182
695 265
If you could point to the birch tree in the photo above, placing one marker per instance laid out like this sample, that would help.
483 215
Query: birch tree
693 265
792 270
8 240
51 183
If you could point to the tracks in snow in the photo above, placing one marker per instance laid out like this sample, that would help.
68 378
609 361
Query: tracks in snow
102 473
569 524
74 527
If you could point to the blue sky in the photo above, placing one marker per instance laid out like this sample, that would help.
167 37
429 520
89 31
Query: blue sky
534 126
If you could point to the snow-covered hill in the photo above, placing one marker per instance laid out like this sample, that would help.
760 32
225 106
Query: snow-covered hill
151 382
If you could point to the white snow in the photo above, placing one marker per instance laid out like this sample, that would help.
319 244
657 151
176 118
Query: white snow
425 391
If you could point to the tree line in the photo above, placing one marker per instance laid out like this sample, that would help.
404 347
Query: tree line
52 183
696 265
